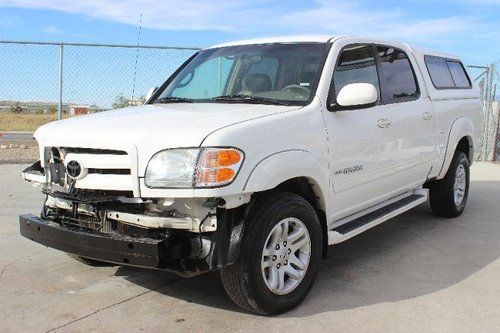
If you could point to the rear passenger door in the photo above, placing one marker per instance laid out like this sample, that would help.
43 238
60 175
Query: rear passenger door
413 118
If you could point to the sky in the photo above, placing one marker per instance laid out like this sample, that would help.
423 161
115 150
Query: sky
470 29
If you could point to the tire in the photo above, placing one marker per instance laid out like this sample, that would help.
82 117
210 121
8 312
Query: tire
443 195
90 262
247 283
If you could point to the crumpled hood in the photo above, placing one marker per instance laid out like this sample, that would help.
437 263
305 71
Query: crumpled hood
150 128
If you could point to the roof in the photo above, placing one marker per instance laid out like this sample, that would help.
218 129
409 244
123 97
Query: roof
425 51
281 39
329 38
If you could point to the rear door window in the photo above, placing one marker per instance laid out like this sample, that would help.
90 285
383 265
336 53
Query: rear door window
398 81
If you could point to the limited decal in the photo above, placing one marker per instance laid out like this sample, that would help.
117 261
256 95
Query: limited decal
348 170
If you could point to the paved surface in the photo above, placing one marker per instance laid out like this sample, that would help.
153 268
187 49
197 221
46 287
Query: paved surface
416 273
19 135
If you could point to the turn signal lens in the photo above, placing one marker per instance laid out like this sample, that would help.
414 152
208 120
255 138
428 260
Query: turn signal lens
220 158
215 176
218 166
223 175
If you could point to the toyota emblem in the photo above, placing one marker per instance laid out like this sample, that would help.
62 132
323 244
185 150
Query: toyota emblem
73 169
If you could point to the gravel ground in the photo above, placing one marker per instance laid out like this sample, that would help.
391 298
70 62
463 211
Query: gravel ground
415 273
13 154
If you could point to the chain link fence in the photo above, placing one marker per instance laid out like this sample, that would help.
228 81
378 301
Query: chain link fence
487 80
65 79
69 77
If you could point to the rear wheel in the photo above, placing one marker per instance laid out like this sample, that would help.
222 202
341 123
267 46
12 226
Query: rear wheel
279 256
448 196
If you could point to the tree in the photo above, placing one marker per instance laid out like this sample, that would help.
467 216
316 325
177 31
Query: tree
16 108
120 102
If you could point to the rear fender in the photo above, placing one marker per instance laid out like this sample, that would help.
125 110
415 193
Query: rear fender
462 127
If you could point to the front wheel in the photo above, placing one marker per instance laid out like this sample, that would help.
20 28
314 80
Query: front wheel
448 196
279 258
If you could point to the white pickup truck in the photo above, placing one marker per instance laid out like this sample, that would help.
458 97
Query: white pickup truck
254 156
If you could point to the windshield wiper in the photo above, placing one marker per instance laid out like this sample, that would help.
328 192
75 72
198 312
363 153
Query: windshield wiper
172 99
249 98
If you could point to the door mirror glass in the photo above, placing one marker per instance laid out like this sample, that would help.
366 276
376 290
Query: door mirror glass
357 95
150 93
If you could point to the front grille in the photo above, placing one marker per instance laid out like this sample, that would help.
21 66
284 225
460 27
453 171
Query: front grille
110 171
94 151
102 169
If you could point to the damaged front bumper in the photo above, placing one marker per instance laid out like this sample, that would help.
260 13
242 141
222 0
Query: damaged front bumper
110 248
177 251
187 236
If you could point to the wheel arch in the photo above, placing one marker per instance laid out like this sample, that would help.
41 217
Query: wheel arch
460 138
307 189
298 172
296 169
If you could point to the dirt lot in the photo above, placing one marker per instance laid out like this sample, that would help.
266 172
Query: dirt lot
416 273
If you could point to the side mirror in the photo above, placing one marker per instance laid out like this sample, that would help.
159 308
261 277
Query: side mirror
150 93
357 95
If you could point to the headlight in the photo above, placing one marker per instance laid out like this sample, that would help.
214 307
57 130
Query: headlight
172 168
188 168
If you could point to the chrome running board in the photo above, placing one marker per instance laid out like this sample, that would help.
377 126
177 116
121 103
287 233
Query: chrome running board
355 227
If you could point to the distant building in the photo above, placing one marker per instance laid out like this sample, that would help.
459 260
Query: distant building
78 110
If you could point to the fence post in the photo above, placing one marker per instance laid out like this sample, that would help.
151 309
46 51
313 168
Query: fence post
61 61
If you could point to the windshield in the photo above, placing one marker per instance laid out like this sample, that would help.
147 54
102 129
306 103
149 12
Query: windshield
271 73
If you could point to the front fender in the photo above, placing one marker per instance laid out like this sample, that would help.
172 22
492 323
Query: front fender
461 127
284 165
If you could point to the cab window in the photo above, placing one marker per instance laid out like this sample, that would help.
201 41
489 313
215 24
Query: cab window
356 64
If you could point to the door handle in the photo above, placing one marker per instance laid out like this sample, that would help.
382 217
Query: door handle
384 123
427 115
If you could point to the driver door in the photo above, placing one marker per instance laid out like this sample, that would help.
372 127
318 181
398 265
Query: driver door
362 143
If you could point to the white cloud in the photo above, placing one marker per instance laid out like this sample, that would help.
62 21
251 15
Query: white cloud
164 15
272 17
355 19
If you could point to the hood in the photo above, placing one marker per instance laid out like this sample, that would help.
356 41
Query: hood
150 128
